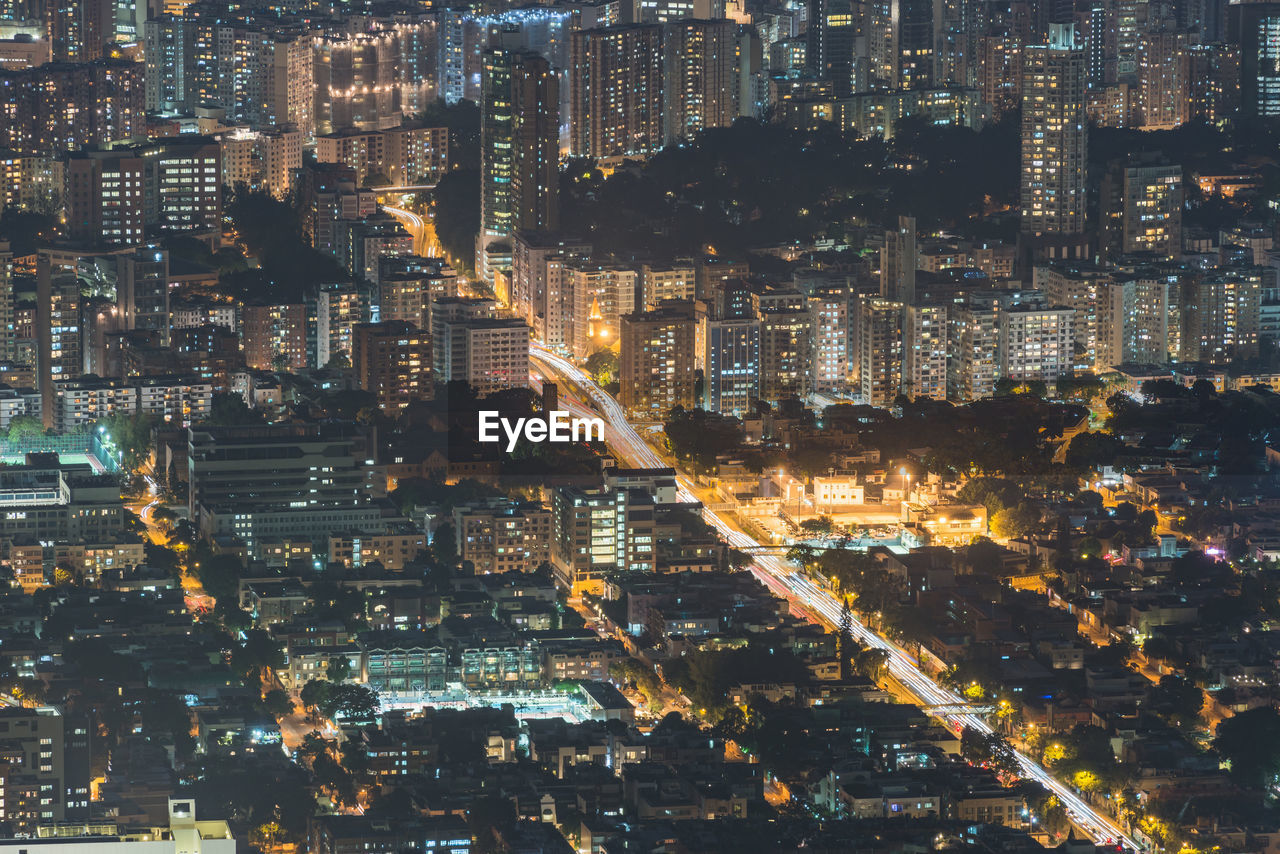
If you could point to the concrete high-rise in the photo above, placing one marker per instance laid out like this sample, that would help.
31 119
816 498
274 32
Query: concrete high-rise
519 154
878 349
898 262
1054 135
700 80
1255 27
57 324
615 91
392 360
659 352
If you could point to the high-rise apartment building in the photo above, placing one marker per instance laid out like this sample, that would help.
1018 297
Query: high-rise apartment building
878 349
1220 314
702 67
974 346
924 351
659 352
44 767
275 336
898 262
1212 72
262 160
599 531
615 91
142 291
661 282
124 193
57 328
1036 341
397 157
1139 320
601 295
472 342
540 292
1054 135
1255 28
1078 286
392 359
1162 88
519 154
830 313
63 106
786 345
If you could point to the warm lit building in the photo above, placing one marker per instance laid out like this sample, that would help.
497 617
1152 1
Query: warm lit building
122 194
1054 135
519 154
659 352
392 359
398 157
878 349
615 91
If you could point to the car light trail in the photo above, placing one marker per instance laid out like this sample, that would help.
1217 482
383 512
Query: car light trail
778 576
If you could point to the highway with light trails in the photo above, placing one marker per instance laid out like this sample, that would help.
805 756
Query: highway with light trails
776 573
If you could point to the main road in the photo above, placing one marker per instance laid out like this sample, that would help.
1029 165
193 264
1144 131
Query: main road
779 576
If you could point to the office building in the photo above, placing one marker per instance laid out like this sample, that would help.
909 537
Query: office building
731 360
392 359
182 834
306 481
1054 136
831 40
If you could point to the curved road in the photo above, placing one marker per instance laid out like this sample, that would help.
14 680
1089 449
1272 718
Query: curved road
775 573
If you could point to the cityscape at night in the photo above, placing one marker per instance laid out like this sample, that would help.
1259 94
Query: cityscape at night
639 426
